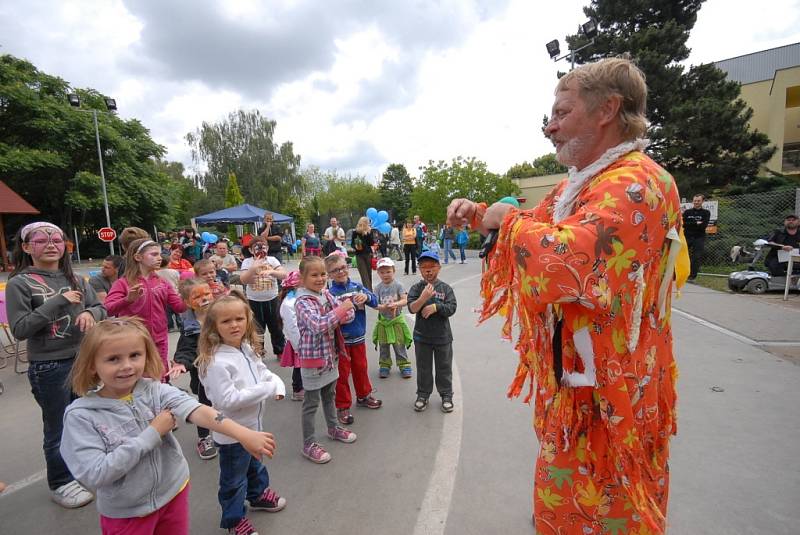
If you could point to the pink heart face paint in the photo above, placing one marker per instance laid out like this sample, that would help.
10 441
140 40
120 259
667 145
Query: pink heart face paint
46 244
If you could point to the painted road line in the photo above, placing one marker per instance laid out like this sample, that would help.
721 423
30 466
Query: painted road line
715 327
432 517
23 483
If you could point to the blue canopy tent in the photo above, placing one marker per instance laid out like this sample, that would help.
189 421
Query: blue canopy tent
242 214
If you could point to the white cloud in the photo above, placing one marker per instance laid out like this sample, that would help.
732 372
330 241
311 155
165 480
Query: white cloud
354 86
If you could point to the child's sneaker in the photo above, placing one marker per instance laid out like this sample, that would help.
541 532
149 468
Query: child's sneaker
406 372
447 405
72 495
420 404
341 434
206 448
345 417
300 395
316 453
383 373
269 501
369 402
244 527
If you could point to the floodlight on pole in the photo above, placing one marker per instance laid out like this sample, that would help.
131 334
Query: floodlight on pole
553 48
111 104
588 29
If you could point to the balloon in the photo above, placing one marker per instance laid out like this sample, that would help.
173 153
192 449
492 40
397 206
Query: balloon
212 238
385 227
372 213
204 237
382 217
298 243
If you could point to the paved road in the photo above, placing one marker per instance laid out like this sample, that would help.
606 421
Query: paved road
734 467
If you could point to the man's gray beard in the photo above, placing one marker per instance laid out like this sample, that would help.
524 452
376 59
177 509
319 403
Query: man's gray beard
573 150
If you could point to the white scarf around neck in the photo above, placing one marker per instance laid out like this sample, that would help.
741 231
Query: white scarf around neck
565 204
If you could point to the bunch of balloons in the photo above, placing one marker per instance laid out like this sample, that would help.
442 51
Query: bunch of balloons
209 238
296 245
379 220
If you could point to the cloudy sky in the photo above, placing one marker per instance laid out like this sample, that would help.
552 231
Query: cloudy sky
354 84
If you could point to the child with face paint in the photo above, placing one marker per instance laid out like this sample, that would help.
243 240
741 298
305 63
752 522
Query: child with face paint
51 308
207 271
197 295
142 293
261 274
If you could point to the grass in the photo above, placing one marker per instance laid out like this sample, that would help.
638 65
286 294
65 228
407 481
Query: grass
715 283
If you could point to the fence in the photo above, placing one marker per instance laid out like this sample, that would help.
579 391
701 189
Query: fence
743 219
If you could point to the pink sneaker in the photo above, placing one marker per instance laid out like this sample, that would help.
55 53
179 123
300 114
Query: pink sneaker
316 453
341 434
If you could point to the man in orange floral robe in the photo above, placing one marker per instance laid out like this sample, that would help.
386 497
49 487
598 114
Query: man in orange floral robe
587 276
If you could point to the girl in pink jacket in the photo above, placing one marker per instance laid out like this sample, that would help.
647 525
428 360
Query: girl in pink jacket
142 293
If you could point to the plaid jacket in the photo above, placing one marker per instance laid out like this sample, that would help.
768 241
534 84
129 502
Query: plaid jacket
318 320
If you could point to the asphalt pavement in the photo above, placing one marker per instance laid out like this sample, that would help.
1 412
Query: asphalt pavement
734 469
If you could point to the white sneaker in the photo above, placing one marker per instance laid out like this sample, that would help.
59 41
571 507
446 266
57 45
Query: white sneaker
72 495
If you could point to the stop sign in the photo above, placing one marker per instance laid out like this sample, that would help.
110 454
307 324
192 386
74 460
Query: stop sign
107 234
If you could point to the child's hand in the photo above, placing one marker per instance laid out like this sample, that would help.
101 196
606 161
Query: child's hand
84 321
428 310
175 370
164 422
428 292
134 292
347 305
359 299
279 396
258 444
73 296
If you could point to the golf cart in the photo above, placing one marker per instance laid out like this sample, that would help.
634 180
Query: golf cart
756 281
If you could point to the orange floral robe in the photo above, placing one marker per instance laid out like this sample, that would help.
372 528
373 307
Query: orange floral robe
592 281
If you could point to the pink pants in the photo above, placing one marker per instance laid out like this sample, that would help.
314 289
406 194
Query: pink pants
172 519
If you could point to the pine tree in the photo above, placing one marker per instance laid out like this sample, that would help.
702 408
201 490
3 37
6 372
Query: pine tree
233 197
395 189
698 125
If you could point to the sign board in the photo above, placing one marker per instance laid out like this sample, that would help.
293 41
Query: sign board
107 234
711 206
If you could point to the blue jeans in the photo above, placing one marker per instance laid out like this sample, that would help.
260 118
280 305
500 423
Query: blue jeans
462 247
49 385
241 476
448 251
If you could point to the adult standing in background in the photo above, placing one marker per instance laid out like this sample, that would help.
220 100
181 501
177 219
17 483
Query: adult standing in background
311 244
394 241
109 272
588 274
224 257
361 242
448 238
335 234
410 247
422 231
272 235
695 221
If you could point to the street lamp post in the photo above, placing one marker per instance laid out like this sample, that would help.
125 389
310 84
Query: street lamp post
111 104
589 29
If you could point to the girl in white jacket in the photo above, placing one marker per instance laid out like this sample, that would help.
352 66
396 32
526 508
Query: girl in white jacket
237 382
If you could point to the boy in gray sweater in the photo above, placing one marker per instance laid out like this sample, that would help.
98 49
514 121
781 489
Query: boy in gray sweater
433 301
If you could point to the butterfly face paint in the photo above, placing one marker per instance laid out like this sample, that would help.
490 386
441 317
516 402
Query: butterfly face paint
46 243
200 297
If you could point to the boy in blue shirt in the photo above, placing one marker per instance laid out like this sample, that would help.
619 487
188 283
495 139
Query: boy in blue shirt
354 339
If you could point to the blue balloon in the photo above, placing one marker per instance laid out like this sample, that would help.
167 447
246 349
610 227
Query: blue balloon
372 213
383 217
385 227
298 243
212 238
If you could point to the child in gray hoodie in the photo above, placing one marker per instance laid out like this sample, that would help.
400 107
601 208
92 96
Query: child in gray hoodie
117 439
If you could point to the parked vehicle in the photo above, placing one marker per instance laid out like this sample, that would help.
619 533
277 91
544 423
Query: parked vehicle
756 281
